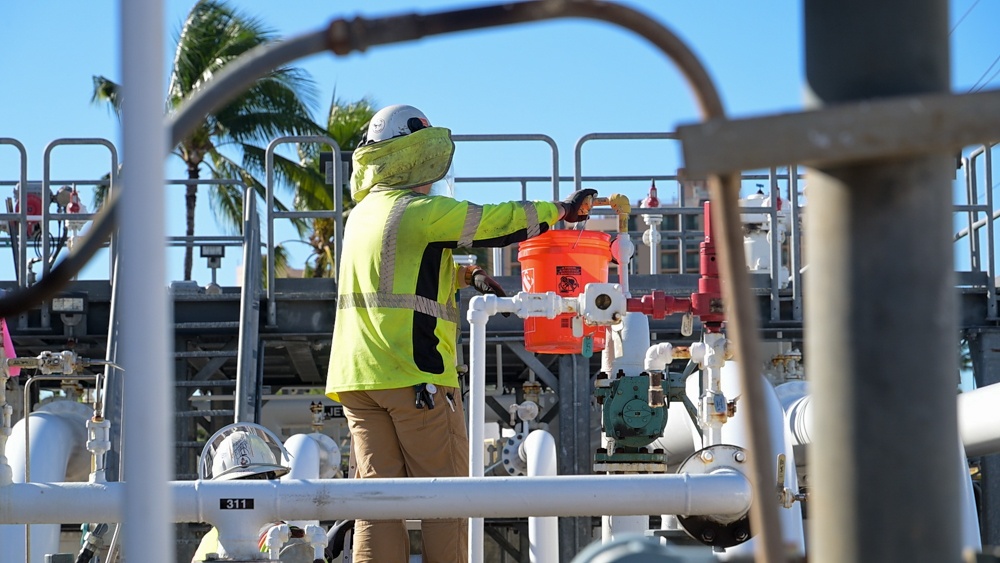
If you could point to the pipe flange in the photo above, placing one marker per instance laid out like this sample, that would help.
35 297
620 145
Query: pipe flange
513 463
717 531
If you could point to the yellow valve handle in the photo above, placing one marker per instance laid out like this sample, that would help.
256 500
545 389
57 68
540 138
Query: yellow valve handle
619 203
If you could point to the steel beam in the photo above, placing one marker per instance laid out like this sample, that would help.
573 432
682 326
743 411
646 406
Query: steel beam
904 126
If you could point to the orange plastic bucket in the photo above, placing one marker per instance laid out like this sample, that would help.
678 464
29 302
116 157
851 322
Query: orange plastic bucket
562 261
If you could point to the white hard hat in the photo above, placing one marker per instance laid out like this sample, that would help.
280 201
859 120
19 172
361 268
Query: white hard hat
394 121
241 451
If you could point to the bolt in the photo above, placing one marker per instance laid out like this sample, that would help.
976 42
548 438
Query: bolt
742 534
707 456
740 457
708 535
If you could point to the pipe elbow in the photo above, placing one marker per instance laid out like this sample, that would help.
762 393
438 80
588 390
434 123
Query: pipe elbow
478 310
658 356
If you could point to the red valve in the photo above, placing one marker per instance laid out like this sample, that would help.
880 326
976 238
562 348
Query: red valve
658 305
651 199
706 304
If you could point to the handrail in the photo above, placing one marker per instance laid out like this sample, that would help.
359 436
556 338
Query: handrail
337 214
46 184
22 263
522 137
990 214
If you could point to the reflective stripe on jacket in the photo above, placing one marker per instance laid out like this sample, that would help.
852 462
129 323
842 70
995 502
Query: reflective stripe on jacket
396 316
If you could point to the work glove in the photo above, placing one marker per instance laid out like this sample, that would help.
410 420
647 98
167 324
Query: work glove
485 284
577 205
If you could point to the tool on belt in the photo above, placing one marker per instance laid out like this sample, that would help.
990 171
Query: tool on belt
425 395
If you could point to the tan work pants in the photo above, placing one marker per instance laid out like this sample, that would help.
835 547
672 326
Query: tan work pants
392 438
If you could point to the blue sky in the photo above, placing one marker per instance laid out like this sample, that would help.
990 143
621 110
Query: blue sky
564 79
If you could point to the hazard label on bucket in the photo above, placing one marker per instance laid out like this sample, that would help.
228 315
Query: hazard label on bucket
568 270
569 284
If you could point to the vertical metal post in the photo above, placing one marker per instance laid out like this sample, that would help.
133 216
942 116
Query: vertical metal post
247 360
114 384
575 455
881 294
774 250
795 242
146 337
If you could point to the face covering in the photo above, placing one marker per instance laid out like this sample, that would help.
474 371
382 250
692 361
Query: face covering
404 162
445 186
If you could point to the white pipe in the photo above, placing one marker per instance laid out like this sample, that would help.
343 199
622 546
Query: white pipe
310 456
543 533
736 432
631 342
658 356
477 316
626 249
800 420
971 534
58 453
145 329
653 234
979 420
710 355
976 424
481 307
721 493
631 345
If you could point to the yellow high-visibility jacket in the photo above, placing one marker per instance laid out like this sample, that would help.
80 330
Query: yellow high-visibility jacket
397 318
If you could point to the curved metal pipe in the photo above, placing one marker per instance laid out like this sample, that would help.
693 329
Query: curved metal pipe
57 454
307 458
736 431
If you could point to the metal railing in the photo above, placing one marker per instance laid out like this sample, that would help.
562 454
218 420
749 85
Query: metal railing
977 235
337 213
979 216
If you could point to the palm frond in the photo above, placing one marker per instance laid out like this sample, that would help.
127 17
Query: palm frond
224 167
109 92
212 36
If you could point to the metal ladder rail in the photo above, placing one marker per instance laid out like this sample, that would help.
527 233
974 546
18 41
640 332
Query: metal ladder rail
989 213
46 216
337 214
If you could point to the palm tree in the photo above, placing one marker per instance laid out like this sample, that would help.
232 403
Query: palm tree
213 35
345 123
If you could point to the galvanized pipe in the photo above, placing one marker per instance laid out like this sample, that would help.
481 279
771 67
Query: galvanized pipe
882 332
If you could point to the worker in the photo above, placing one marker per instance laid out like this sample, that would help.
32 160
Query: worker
393 354
245 451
